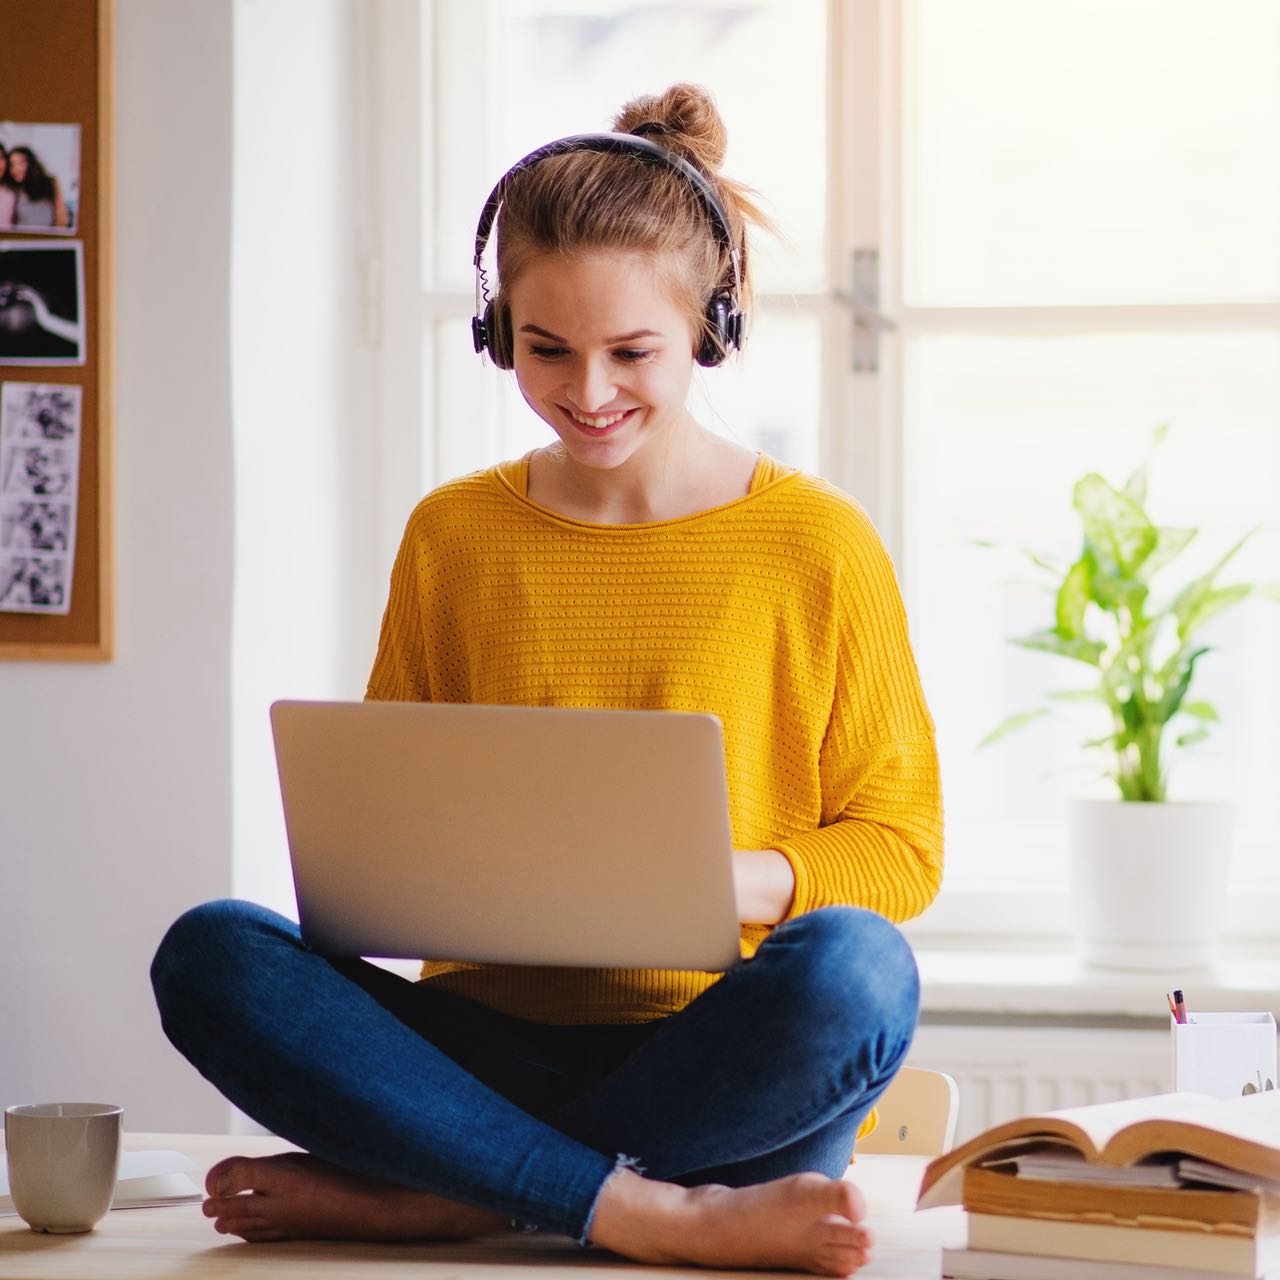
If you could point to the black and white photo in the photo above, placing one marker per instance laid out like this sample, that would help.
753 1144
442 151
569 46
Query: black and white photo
39 481
35 411
37 471
35 584
35 526
41 303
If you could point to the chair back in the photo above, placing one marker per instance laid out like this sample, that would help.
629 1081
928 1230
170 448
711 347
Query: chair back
917 1115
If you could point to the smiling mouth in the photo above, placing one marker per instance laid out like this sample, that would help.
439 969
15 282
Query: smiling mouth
600 421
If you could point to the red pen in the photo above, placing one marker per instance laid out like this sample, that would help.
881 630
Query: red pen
1180 1007
1173 1008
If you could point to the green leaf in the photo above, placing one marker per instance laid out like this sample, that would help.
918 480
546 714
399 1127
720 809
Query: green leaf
1171 542
1043 562
1213 602
1185 656
1187 605
1173 697
1135 487
1116 528
1270 592
1200 710
1134 715
1190 739
1080 649
1073 599
1011 725
1077 695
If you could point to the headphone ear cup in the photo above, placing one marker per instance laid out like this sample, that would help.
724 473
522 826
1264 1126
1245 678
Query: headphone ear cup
723 332
497 327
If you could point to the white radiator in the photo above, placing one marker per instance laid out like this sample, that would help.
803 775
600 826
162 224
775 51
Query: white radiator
1004 1072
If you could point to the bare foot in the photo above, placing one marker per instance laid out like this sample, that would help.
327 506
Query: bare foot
803 1223
299 1197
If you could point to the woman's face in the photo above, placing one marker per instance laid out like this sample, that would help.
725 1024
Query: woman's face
603 353
4 162
18 167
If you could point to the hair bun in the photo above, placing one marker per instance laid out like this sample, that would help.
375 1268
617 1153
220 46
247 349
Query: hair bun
683 119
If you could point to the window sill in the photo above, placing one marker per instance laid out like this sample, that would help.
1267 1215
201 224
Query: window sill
967 985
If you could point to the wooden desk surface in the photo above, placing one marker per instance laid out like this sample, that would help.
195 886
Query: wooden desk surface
178 1243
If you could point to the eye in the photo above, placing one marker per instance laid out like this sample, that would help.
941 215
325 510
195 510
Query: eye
632 355
546 353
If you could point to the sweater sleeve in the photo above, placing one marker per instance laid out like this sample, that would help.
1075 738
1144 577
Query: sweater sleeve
400 666
879 844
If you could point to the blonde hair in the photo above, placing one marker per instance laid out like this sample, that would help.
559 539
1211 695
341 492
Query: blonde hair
588 201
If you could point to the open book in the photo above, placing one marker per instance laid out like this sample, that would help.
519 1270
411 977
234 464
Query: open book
145 1179
1242 1134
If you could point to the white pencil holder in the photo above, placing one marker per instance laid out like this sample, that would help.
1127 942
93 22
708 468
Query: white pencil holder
1224 1054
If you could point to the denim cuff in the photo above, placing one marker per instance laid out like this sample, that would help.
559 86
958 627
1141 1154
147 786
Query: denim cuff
622 1162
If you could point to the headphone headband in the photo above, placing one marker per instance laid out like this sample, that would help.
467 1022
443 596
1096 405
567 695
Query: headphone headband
613 144
723 317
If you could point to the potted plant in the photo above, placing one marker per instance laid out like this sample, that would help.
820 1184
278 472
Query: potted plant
1148 875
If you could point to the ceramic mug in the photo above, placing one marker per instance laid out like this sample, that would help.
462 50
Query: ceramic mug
63 1159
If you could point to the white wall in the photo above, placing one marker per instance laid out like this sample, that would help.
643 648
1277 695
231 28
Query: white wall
115 785
306 619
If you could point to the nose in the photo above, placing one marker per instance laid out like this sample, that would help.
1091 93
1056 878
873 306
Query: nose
591 385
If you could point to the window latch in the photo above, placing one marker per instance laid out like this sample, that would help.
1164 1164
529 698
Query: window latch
869 322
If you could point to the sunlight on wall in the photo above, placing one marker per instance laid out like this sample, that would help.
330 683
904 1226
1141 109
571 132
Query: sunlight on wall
290 357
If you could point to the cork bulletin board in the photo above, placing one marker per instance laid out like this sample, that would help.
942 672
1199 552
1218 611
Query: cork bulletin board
56 358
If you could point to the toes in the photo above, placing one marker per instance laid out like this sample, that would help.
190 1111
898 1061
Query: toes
258 1232
852 1204
227 1206
254 1230
229 1176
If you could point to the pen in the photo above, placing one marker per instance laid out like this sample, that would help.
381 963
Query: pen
1173 1008
1180 1006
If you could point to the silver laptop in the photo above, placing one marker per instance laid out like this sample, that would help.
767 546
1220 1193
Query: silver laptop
531 835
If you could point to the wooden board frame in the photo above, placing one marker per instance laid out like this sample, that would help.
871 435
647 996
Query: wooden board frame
60 69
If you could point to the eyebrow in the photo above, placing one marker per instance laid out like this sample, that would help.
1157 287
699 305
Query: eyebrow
624 337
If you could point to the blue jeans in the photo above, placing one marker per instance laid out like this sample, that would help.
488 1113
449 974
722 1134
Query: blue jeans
767 1073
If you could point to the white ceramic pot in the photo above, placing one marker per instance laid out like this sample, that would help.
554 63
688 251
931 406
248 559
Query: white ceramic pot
1148 881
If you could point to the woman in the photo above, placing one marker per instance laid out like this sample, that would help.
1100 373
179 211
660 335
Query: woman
637 561
38 201
7 194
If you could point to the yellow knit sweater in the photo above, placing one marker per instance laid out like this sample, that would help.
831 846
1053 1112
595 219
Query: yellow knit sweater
778 612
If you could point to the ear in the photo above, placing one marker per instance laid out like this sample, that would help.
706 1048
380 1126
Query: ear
502 345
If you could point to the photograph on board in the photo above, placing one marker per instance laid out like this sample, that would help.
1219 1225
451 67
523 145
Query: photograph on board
41 303
35 584
37 471
39 178
36 411
39 480
35 526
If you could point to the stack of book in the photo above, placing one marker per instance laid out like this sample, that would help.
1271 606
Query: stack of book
1175 1187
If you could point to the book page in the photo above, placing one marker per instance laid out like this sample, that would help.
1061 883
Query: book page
1242 1133
1088 1129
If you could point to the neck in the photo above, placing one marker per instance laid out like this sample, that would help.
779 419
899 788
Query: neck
660 483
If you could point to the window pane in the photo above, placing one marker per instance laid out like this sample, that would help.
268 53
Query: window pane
1088 151
556 67
769 397
999 429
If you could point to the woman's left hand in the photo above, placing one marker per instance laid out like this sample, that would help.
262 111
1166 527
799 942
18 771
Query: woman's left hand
764 885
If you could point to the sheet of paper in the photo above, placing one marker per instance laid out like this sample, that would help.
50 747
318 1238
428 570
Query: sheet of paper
145 1179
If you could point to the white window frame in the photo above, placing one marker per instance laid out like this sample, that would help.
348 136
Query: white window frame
862 448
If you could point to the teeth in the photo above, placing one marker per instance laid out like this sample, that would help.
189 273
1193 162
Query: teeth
607 421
